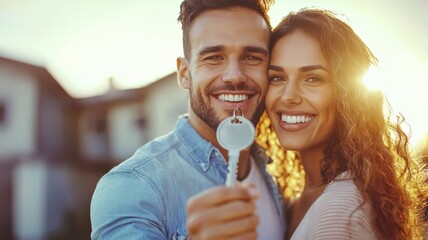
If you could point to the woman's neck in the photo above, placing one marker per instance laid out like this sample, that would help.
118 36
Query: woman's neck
311 163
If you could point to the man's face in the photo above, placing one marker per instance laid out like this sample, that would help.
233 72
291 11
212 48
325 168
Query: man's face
227 68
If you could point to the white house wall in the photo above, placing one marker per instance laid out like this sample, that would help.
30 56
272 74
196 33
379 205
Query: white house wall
18 91
41 198
164 104
126 132
92 144
30 200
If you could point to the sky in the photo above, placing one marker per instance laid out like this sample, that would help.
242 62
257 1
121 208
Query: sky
82 43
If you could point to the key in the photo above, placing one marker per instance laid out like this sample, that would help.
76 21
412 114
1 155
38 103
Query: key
235 134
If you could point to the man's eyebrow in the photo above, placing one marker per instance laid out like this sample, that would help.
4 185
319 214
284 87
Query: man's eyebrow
252 49
301 69
220 48
211 50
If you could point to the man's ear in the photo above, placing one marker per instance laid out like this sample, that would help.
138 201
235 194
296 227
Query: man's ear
183 73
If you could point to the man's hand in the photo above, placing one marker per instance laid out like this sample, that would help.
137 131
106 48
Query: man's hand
223 213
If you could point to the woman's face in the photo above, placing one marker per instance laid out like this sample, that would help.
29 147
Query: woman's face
300 99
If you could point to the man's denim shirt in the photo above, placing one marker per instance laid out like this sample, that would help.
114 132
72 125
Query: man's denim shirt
145 196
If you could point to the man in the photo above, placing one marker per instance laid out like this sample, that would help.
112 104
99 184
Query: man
226 58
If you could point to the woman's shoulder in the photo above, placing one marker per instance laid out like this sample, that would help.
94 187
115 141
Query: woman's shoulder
341 208
341 196
344 187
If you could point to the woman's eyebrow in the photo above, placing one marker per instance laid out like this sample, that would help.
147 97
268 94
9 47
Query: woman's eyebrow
312 67
301 69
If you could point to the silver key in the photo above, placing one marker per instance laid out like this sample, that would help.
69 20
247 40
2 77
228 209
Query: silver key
235 134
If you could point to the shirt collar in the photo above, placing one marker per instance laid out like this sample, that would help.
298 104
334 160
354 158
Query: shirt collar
205 151
197 145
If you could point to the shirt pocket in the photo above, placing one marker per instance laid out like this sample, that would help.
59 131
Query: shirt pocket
180 234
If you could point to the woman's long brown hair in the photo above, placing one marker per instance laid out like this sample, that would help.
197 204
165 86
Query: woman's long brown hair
369 140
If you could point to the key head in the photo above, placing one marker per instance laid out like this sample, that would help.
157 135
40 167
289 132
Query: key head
235 133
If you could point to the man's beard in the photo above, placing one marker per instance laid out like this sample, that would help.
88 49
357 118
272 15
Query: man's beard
205 112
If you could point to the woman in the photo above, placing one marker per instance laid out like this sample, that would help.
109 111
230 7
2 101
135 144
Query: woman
347 172
360 181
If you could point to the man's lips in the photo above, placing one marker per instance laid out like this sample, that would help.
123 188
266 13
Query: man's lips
232 97
234 100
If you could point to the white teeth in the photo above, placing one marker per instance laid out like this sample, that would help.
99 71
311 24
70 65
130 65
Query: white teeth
295 118
233 97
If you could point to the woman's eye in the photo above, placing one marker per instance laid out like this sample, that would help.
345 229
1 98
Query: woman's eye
274 79
314 80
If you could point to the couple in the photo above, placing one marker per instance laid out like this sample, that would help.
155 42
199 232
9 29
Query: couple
355 161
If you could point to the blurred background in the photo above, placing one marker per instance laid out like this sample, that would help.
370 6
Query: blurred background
84 83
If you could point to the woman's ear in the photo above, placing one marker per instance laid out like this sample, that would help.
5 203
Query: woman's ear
183 73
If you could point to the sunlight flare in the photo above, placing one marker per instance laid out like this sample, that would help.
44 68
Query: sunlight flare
373 79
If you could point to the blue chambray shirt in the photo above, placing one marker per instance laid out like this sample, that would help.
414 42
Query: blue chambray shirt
145 197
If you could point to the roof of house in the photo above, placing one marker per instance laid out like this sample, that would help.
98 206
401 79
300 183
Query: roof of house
41 74
115 95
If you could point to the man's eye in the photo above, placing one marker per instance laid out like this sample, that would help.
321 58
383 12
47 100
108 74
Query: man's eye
253 60
213 58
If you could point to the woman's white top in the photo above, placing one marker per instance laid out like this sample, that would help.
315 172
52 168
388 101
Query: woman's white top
337 214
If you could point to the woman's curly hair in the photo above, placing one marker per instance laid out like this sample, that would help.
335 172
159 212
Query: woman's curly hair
368 141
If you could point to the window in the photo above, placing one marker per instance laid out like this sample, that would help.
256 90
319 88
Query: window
97 122
2 113
141 122
100 125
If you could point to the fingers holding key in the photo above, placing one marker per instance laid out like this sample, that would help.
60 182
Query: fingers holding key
223 213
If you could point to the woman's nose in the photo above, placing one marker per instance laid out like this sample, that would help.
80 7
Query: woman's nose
291 93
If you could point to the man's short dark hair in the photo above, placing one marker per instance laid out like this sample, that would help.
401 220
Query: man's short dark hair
190 9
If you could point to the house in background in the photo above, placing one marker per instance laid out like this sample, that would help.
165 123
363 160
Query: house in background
54 148
115 124
37 122
37 117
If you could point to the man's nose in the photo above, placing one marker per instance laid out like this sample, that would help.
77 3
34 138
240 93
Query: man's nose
234 72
